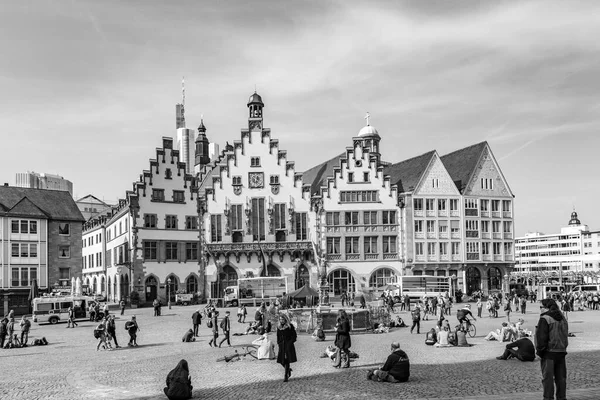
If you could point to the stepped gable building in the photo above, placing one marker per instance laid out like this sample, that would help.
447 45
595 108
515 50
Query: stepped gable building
40 239
358 221
254 211
149 242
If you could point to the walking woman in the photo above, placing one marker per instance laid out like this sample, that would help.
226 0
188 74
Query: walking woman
286 336
342 339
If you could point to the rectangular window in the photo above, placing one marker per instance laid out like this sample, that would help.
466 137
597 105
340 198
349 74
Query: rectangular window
431 249
366 177
507 226
25 227
443 249
216 229
419 248
236 217
485 248
351 218
359 196
418 204
64 229
301 226
389 244
332 218
352 245
453 204
24 250
33 250
506 205
168 173
171 251
150 250
370 217
15 277
14 226
435 183
485 226
64 252
430 226
418 226
370 244
33 227
495 205
507 249
484 204
15 250
454 226
178 196
473 247
455 248
333 245
443 226
191 251
171 222
258 219
24 276
279 214
191 222
149 221
497 248
388 217
441 204
108 257
255 161
496 226
429 204
158 195
237 181
350 177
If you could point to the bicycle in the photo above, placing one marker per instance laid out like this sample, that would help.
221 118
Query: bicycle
247 350
471 329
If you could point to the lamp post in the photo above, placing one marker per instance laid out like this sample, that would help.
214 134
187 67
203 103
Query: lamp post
507 285
169 292
452 282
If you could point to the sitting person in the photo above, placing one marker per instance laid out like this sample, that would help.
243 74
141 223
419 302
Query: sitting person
430 337
188 337
501 335
252 328
179 383
395 369
461 338
442 338
266 349
318 335
524 352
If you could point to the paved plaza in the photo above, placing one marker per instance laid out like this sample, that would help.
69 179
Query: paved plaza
71 368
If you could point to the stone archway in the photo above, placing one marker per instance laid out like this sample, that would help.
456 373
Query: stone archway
473 280
381 277
341 280
191 284
151 288
171 287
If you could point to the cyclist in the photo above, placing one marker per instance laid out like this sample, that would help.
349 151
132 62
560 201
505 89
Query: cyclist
462 315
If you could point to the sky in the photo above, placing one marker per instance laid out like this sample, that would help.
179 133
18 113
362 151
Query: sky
88 88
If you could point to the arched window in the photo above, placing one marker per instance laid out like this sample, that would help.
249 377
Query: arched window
302 276
341 280
191 285
382 277
494 279
227 277
273 270
473 280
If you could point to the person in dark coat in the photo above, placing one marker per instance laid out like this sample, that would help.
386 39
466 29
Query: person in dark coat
286 337
214 318
342 339
188 337
524 352
179 382
3 331
112 329
196 321
395 369
132 327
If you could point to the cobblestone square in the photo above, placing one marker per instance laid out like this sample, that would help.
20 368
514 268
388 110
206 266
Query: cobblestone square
71 368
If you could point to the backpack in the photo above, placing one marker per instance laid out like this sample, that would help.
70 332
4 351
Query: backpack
452 339
222 324
430 338
97 333
209 323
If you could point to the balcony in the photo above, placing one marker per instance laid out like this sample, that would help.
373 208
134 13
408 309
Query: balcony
456 257
471 212
444 257
390 256
420 235
472 234
419 213
442 213
332 229
454 213
443 235
334 257
486 257
508 235
473 256
225 248
430 213
485 214
507 214
352 257
455 235
430 235
351 228
371 256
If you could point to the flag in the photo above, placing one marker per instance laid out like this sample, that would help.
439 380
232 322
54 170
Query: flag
264 260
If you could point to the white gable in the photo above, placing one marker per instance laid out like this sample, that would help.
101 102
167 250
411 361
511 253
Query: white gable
436 180
487 179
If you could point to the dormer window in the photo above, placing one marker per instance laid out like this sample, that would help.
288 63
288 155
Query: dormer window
274 180
350 177
255 161
237 181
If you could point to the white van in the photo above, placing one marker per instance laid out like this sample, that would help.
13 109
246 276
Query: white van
53 309
587 287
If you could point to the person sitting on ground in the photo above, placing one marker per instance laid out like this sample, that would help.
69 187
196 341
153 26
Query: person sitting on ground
525 350
266 349
252 328
461 338
188 336
179 382
501 335
431 337
442 337
395 369
318 335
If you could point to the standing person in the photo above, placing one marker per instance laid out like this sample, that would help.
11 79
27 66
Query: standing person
71 322
111 329
97 312
286 337
105 309
363 302
132 328
240 313
523 302
416 317
122 305
10 326
551 341
3 331
479 307
226 327
92 311
343 298
245 312
156 305
214 317
179 382
196 321
507 310
25 325
342 339
407 303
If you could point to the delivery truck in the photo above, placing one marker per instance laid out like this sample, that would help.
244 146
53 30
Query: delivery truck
253 291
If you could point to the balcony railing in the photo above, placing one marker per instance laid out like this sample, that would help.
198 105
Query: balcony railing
485 214
454 213
444 257
352 256
486 235
442 213
247 247
443 235
472 234
508 235
486 257
472 256
455 235
497 257
420 235
334 257
371 256
390 256
497 235
496 214
471 212
507 214
419 213
430 213
431 235
456 257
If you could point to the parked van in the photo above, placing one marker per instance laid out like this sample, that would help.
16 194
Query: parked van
53 309
549 291
588 287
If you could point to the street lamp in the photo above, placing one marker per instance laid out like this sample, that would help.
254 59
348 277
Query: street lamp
169 292
453 283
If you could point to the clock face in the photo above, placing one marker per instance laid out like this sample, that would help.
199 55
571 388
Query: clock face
256 179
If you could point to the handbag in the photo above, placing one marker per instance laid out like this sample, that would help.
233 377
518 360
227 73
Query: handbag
336 359
209 323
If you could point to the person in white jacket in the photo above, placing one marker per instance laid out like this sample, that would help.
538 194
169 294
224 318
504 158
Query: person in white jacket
266 349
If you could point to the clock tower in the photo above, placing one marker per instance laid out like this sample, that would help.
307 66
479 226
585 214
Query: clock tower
202 156
255 112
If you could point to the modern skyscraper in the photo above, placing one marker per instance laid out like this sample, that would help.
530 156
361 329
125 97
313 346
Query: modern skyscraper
43 181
